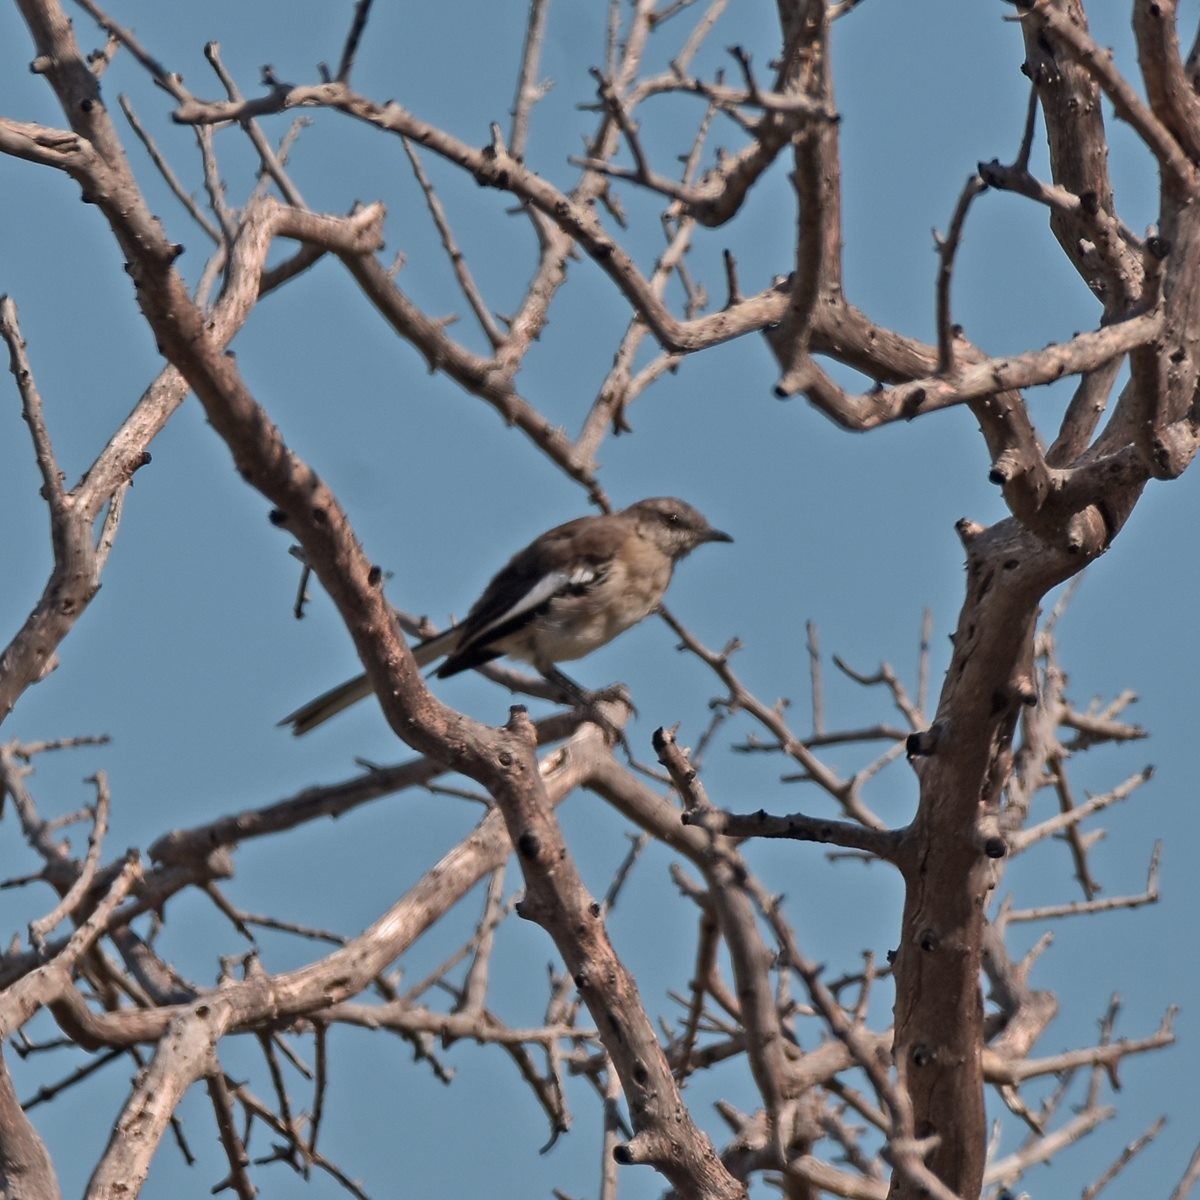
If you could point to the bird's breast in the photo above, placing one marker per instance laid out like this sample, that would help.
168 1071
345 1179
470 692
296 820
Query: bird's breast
575 625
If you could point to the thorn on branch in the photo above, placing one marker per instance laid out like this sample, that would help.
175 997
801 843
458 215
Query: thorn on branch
731 277
743 61
968 530
1006 467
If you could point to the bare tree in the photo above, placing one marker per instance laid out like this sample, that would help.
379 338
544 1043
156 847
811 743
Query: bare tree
847 1104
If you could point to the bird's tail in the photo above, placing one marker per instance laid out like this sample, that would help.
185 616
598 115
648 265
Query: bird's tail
328 704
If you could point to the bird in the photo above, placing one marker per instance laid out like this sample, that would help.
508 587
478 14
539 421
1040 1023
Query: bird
571 590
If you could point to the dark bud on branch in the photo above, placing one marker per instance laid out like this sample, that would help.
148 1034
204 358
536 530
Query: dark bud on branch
990 172
924 742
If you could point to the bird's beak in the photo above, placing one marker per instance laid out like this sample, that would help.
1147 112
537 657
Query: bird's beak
717 535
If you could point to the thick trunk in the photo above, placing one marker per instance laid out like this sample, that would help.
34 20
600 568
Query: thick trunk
963 763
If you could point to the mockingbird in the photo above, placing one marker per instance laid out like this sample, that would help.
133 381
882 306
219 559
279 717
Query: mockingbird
570 591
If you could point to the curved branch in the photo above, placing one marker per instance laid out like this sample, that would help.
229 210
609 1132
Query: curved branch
1159 140
494 166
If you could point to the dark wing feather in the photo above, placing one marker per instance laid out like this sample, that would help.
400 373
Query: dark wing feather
566 560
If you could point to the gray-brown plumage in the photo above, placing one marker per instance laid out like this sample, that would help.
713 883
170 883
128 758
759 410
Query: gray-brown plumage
570 591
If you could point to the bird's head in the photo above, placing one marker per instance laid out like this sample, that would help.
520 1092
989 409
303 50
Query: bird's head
674 526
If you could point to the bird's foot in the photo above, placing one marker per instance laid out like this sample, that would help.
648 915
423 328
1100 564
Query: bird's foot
608 707
611 708
615 693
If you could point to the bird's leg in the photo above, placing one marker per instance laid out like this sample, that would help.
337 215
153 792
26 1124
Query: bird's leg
588 701
570 692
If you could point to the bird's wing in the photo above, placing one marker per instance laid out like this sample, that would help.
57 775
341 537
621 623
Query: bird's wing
482 643
568 557
543 590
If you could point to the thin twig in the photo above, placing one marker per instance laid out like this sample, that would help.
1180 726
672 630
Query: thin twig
34 416
947 250
458 261
1191 1176
320 1078
271 163
50 1090
83 881
235 1147
362 10
814 669
165 170
529 92
1078 908
1123 1160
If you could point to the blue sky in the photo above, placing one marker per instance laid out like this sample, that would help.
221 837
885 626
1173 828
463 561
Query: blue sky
189 654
